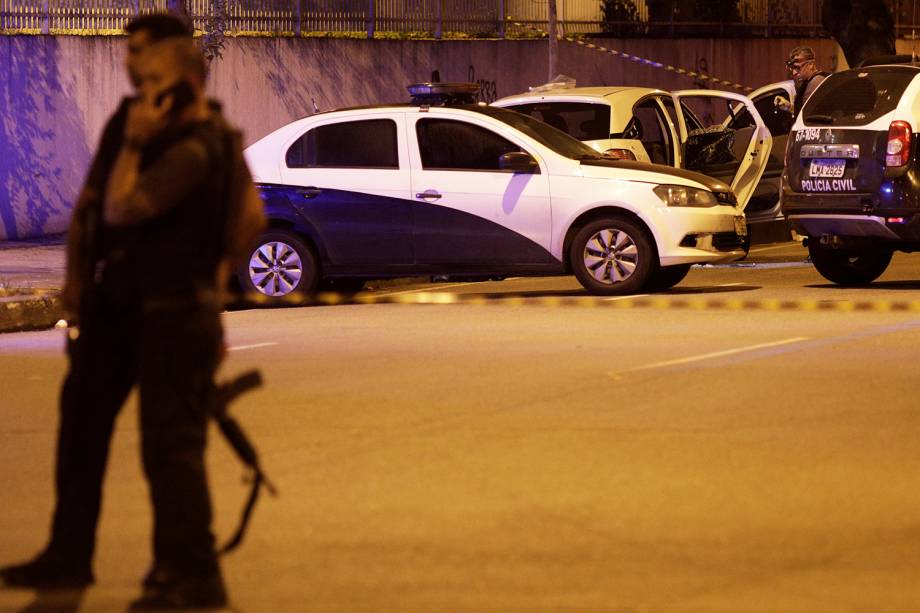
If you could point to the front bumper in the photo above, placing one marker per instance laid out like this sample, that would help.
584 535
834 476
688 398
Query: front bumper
698 236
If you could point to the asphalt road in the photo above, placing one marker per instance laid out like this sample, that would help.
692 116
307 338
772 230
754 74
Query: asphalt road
532 458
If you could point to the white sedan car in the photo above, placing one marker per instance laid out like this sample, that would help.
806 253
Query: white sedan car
445 186
738 139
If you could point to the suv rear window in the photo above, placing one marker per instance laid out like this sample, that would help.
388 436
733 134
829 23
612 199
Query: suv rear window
582 120
857 97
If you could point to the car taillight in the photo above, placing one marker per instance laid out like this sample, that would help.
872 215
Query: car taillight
620 154
898 151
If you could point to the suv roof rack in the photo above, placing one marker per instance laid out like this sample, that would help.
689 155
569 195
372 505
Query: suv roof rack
881 60
443 94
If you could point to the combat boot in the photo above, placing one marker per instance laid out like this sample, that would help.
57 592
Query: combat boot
47 571
165 591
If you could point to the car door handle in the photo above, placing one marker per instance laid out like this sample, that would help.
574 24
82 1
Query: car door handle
428 195
309 192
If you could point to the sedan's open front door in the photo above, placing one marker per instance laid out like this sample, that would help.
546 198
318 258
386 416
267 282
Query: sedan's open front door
736 156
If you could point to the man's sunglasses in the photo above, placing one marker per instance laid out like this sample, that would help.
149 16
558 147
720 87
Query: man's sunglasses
796 65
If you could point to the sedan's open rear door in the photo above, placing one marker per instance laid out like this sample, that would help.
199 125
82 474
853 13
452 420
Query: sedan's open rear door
736 156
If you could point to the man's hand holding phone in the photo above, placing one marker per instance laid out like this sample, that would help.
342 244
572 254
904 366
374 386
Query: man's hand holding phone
154 110
147 116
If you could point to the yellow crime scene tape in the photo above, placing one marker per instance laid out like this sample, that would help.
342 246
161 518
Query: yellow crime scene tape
647 302
693 74
675 303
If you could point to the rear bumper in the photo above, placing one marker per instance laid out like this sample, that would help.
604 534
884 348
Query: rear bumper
794 203
901 233
891 218
866 226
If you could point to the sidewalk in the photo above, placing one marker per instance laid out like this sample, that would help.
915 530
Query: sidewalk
31 276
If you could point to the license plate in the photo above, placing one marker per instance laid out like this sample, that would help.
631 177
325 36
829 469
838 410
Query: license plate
827 168
740 226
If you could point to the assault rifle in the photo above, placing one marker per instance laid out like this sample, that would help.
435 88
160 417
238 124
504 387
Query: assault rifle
223 395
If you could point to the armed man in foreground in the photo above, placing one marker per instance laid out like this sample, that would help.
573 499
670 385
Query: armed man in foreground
156 233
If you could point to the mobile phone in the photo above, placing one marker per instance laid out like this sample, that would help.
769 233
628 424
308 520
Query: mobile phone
182 96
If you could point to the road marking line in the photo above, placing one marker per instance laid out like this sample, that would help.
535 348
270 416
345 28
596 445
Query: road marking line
432 289
709 356
756 265
253 346
624 297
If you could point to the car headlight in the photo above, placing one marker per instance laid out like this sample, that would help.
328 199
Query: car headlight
678 195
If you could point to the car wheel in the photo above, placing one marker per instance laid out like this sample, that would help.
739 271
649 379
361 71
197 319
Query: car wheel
667 277
280 265
612 256
849 267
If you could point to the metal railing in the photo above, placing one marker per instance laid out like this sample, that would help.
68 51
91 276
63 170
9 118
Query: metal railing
427 18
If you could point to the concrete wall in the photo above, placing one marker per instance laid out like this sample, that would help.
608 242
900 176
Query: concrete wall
57 92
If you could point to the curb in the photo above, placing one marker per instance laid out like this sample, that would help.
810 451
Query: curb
30 312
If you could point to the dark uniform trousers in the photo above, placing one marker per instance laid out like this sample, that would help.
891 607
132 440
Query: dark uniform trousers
172 354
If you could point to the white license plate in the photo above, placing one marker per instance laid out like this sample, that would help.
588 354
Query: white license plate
827 168
740 226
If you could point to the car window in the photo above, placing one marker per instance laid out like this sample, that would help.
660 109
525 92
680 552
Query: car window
368 143
447 144
777 120
691 120
857 97
543 133
581 120
715 148
649 127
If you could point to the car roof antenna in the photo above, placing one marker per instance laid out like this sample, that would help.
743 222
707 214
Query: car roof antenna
315 108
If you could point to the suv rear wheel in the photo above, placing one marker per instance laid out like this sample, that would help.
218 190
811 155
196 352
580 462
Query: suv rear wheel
848 266
612 256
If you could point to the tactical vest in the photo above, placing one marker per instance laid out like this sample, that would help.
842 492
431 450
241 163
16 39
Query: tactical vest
173 258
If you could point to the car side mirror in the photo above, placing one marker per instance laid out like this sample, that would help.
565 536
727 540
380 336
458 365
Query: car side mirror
518 161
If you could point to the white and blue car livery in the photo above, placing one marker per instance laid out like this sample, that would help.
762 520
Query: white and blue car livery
447 188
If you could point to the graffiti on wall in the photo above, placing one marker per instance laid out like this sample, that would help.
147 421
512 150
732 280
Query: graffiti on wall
488 90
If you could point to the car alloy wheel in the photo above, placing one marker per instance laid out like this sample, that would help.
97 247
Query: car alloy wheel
275 269
281 264
612 256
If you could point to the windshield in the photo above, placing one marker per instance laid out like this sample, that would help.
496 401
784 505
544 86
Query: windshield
581 120
546 135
